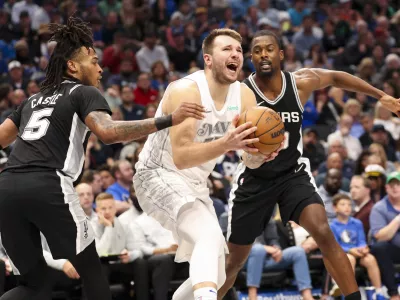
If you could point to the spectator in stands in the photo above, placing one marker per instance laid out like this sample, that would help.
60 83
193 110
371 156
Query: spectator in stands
381 136
334 161
352 144
348 165
150 53
144 93
6 94
298 12
112 55
330 188
158 247
361 195
362 162
377 149
180 57
305 38
97 153
106 177
329 111
159 80
267 255
385 225
112 238
126 74
86 199
350 235
130 110
353 109
384 117
32 88
15 76
150 111
122 172
291 63
94 179
367 122
376 176
312 148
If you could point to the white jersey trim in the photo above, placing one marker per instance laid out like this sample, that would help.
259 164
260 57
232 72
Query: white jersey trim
296 92
261 94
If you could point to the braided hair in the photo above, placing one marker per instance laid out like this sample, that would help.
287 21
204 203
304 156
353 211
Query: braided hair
69 38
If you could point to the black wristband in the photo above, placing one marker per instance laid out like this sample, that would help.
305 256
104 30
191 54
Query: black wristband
163 122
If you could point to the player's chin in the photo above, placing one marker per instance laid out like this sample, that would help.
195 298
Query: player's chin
231 76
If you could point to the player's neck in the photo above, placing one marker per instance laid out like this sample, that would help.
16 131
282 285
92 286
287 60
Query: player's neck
272 85
218 91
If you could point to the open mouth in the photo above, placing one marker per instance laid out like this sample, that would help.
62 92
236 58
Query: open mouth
266 65
232 67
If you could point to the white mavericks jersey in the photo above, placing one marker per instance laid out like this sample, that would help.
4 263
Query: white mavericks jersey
157 151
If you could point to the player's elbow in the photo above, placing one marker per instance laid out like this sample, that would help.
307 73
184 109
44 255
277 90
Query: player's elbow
180 162
106 138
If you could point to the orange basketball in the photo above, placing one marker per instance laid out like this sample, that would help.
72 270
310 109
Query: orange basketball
270 128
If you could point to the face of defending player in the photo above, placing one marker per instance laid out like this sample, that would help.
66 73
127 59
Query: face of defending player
85 67
226 59
266 56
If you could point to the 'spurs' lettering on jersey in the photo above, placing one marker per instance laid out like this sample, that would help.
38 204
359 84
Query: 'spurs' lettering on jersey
51 129
290 109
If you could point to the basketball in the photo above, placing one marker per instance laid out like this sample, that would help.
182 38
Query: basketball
270 128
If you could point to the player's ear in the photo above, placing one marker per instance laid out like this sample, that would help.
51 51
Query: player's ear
72 66
207 59
281 55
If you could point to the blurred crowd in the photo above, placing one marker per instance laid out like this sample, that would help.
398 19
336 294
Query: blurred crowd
143 45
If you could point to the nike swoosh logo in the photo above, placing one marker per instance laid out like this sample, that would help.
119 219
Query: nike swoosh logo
301 166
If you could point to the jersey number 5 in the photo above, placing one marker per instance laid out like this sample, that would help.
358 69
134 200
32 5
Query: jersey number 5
37 125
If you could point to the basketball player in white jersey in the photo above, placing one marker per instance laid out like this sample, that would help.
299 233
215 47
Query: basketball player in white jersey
172 171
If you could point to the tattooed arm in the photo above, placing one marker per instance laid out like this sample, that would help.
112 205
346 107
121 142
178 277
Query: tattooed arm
110 131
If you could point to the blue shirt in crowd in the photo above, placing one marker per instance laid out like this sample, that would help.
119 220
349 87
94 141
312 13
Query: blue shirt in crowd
349 235
382 214
118 191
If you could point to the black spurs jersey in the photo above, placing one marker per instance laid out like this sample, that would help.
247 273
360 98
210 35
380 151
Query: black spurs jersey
51 129
289 107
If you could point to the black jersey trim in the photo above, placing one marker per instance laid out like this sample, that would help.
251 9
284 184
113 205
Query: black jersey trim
296 92
261 94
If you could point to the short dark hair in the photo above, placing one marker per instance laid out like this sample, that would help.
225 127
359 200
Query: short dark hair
265 32
209 40
338 197
88 176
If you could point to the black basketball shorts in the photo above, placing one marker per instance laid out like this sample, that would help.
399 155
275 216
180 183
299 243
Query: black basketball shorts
253 199
40 201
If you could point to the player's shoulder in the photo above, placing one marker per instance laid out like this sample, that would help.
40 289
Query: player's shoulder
183 89
305 76
83 90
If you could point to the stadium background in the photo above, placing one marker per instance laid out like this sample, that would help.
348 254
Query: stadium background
145 45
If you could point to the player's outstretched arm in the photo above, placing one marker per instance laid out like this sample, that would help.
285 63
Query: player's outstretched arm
8 133
110 131
186 152
309 80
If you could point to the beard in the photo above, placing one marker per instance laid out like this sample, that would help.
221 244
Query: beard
220 77
86 79
266 74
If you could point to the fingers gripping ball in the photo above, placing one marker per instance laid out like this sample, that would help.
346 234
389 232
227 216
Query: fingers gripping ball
270 128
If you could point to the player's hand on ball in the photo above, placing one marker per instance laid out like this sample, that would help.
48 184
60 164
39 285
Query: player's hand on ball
274 154
237 137
391 104
70 270
187 110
